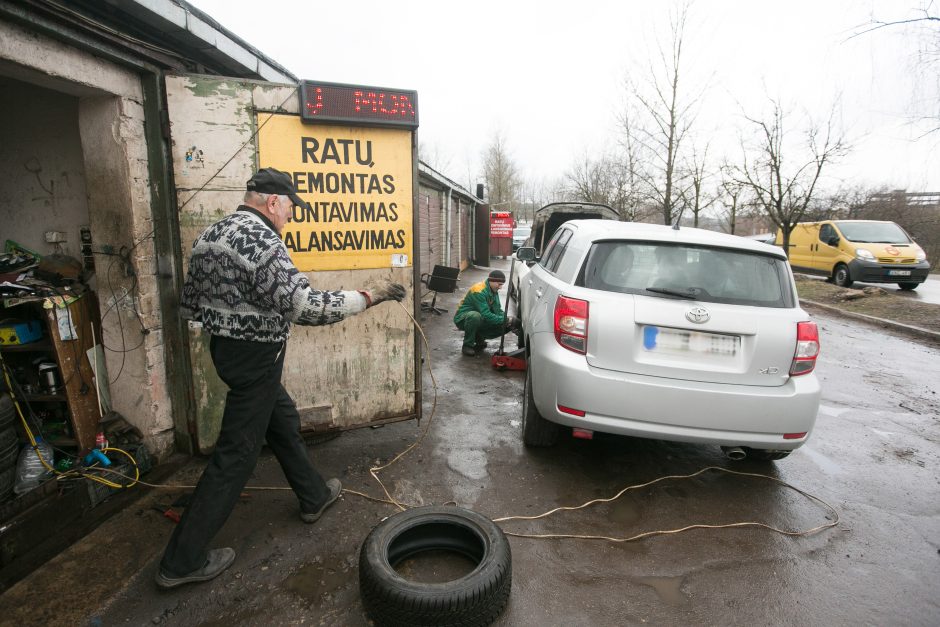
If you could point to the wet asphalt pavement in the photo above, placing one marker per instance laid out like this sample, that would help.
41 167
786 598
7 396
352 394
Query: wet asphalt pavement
874 455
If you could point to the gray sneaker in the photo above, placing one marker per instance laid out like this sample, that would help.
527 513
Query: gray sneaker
336 489
219 560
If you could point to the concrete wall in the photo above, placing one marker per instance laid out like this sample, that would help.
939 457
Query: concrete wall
106 116
43 185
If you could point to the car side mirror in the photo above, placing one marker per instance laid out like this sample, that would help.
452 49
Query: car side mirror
527 253
833 240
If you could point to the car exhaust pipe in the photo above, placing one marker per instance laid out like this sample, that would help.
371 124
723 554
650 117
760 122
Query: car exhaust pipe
734 452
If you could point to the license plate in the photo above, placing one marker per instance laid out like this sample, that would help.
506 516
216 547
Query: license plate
667 340
899 273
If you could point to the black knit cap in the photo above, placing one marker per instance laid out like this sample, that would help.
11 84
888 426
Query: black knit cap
497 275
271 181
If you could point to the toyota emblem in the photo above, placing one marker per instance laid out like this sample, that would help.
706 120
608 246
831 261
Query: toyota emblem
698 315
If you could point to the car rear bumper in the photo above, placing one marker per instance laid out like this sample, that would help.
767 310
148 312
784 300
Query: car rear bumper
670 409
874 272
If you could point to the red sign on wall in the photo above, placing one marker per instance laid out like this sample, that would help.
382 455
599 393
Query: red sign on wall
500 225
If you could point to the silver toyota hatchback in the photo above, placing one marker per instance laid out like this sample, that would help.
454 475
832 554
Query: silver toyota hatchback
674 334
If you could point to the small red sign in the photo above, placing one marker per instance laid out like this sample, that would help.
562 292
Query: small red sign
500 225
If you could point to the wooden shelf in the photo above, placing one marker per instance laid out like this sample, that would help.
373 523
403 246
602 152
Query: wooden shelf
41 398
41 346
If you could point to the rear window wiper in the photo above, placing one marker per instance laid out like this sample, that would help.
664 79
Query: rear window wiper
690 295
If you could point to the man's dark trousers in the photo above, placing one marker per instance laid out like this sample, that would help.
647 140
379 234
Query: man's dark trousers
257 408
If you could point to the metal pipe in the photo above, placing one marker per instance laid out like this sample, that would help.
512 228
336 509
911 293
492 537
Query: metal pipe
734 452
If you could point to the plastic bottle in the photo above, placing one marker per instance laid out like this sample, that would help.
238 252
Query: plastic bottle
30 471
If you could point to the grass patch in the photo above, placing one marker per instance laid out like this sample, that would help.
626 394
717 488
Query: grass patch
871 301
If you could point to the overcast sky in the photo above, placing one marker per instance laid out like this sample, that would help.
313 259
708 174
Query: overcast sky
550 75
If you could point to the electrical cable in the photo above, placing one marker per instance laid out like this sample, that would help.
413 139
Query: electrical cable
86 473
390 500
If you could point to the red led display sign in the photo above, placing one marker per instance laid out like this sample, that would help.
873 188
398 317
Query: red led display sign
358 104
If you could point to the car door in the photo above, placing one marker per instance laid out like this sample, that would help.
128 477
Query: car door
535 298
825 254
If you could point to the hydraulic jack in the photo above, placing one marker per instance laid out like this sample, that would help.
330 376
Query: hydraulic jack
515 360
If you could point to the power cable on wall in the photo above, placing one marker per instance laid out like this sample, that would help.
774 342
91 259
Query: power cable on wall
125 255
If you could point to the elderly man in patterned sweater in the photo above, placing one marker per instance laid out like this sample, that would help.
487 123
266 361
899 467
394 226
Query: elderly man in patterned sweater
244 289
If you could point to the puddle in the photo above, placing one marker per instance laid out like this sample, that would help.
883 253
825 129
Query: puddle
828 410
435 567
668 589
624 510
822 461
311 581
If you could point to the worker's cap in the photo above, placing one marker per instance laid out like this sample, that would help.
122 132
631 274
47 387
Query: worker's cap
271 181
497 275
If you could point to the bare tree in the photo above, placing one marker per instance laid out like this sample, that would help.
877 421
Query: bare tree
784 191
666 116
628 163
732 197
433 155
695 196
590 180
500 172
925 26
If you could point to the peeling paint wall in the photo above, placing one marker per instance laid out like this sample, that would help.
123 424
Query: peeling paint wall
345 375
109 123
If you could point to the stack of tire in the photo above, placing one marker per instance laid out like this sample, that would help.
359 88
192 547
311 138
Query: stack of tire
9 447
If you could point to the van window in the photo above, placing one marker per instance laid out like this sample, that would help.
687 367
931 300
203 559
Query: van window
826 232
708 274
874 232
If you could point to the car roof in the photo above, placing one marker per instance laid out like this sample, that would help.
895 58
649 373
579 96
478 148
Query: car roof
610 230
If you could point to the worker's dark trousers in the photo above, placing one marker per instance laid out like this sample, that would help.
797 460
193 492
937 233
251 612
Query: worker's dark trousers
257 408
476 329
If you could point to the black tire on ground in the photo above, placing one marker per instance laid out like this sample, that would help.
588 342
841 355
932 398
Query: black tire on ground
841 276
536 431
908 285
766 455
477 598
7 411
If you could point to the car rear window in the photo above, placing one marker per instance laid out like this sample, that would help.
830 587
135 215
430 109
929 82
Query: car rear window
699 273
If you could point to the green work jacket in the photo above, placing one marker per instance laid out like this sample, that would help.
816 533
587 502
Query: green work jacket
481 298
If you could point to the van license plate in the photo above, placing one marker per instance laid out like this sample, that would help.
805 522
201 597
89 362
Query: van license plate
666 340
899 273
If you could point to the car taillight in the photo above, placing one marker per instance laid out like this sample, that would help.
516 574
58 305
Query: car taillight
571 323
807 348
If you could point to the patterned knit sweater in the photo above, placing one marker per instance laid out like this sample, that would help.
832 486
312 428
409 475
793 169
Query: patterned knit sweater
243 285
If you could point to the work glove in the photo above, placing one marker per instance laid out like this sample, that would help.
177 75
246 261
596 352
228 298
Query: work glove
512 322
390 291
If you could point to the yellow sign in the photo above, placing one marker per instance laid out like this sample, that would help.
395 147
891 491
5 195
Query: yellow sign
358 182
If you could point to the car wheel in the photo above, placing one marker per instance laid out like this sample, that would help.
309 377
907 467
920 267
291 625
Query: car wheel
766 454
536 431
841 276
908 286
477 598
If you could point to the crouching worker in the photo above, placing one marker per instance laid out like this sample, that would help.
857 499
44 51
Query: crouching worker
245 290
480 315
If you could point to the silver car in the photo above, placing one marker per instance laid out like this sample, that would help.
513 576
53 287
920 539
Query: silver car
673 334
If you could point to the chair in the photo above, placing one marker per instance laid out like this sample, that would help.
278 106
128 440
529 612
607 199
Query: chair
443 279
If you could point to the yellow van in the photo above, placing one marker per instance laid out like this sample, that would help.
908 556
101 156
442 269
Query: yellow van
872 251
